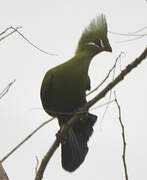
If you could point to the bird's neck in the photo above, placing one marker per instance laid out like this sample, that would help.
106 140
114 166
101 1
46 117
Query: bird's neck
84 56
84 59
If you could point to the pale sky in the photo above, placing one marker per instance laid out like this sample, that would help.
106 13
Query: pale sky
56 26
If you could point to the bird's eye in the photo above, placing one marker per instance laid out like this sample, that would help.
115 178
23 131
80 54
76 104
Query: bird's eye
97 43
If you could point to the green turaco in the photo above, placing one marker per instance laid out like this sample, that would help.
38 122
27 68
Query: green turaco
63 92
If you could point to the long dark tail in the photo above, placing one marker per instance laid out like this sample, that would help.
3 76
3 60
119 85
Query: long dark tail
74 145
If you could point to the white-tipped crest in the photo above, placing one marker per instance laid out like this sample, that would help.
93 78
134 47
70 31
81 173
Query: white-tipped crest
98 24
95 31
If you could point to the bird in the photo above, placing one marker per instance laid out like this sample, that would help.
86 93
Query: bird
63 92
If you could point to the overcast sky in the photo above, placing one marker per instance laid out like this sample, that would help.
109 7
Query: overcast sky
56 26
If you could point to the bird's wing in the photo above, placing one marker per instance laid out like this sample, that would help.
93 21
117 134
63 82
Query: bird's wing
48 80
46 87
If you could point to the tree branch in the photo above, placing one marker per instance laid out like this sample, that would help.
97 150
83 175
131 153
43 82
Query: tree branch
3 175
14 30
22 142
77 115
32 44
123 138
24 37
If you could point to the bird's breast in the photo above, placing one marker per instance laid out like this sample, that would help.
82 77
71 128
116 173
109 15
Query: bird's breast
66 94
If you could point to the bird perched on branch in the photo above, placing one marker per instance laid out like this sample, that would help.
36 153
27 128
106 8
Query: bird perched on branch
63 92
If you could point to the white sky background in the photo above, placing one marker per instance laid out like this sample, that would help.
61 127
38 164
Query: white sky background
56 26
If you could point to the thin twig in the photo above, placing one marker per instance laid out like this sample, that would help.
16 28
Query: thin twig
107 76
139 30
132 34
133 39
3 32
6 88
32 44
109 99
110 92
14 30
77 116
101 105
37 165
22 142
128 34
119 78
2 38
26 39
123 138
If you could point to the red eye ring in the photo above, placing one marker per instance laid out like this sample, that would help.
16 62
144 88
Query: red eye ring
98 42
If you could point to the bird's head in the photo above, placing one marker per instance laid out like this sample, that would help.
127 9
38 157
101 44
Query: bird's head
94 38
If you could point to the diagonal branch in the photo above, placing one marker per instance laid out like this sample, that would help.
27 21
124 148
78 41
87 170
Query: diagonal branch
24 37
7 35
77 115
28 137
3 175
32 44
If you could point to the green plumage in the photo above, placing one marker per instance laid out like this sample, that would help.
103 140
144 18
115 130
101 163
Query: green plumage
63 92
67 84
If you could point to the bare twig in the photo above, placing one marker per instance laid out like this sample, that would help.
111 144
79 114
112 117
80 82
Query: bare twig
76 117
110 93
123 138
104 80
32 44
129 34
119 78
7 35
6 89
37 165
3 32
24 37
133 39
22 142
132 34
102 105
139 30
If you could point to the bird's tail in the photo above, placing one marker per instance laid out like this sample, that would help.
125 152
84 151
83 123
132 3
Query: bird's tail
74 145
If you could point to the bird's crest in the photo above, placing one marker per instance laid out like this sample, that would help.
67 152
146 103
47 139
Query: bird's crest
97 25
97 29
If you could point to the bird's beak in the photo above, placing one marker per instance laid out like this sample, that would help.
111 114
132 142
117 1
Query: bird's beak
109 49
